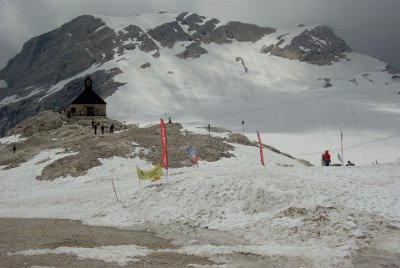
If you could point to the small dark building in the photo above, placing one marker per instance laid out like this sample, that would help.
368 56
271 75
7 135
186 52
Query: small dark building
88 103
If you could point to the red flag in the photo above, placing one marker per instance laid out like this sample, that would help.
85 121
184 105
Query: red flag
164 158
261 149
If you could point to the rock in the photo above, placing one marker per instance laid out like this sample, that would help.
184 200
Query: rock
66 51
181 16
319 46
240 139
146 65
266 49
103 84
168 34
194 50
147 44
156 54
45 121
238 31
130 33
129 47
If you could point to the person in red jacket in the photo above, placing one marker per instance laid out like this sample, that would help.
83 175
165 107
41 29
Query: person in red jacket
326 157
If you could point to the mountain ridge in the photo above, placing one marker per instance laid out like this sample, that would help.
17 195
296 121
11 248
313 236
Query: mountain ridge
189 59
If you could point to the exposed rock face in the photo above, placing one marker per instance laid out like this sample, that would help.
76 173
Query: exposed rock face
318 46
242 32
103 85
66 51
135 34
55 56
207 31
27 82
169 33
194 50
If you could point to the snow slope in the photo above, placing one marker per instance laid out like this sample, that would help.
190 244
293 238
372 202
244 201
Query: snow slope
284 99
221 208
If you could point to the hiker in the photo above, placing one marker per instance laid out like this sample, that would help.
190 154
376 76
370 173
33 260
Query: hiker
169 121
112 128
326 157
14 148
350 164
95 129
102 129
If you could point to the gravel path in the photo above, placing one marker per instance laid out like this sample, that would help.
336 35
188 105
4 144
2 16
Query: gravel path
30 234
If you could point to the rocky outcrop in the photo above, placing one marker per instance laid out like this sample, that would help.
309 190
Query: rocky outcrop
145 65
242 32
147 44
58 55
194 50
196 24
318 46
13 113
132 32
169 33
208 32
86 41
66 51
139 37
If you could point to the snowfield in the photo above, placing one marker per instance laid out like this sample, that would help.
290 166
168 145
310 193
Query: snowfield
234 205
284 99
231 206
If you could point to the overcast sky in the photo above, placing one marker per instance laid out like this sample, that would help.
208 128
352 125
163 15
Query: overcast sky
368 26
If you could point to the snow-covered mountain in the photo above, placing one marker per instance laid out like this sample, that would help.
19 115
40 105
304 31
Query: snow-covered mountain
301 85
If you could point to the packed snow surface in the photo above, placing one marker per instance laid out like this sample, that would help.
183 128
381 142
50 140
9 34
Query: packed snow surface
286 209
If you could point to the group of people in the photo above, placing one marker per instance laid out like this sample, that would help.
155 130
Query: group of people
102 127
326 160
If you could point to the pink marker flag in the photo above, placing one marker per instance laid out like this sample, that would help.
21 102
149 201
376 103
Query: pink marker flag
164 158
261 149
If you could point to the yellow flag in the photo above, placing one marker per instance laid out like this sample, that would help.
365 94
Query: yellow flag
153 174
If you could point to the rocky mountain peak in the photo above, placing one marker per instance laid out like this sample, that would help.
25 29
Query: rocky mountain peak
49 70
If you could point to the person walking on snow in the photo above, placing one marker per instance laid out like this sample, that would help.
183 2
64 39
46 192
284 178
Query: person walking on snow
326 157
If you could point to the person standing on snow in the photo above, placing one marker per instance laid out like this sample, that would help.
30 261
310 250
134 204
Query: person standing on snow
326 157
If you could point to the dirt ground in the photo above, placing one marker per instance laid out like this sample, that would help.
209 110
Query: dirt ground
50 130
26 234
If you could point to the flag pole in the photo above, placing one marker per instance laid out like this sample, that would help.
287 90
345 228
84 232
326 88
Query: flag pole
140 185
112 181
166 175
341 145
